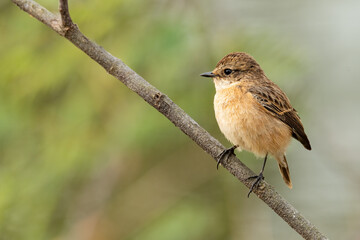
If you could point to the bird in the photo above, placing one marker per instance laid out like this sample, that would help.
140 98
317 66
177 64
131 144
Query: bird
253 113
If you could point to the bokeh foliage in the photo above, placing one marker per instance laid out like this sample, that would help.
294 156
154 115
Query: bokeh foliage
82 157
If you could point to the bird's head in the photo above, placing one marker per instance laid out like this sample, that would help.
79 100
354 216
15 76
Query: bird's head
233 68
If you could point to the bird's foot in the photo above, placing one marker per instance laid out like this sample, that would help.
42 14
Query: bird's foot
225 154
255 184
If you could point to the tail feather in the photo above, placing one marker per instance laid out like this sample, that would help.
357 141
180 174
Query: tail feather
284 170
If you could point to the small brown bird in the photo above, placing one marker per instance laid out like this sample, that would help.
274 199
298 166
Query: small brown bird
253 113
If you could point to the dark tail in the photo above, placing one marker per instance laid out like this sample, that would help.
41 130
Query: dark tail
284 170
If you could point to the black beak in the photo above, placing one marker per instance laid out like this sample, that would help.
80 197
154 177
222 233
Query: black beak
207 74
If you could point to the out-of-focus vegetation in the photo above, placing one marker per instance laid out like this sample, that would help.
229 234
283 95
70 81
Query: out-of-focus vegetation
82 157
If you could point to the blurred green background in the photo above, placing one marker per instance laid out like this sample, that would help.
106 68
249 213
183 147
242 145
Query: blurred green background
82 157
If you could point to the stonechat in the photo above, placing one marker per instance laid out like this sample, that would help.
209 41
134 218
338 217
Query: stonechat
253 113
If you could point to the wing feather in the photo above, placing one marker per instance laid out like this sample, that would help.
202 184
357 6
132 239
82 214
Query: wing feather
278 105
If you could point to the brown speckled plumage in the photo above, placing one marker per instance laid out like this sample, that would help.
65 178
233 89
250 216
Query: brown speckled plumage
253 112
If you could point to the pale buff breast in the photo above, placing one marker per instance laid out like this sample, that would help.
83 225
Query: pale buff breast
244 122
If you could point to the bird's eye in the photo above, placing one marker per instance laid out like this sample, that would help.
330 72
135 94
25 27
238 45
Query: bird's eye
227 71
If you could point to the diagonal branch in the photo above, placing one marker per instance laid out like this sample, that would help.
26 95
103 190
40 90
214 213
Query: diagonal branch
65 27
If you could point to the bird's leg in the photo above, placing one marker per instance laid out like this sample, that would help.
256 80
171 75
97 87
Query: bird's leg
258 178
226 153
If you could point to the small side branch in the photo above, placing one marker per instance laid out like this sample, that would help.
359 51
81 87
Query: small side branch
66 20
65 27
64 12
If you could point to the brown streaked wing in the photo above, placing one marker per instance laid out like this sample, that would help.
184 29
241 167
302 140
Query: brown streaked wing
278 105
